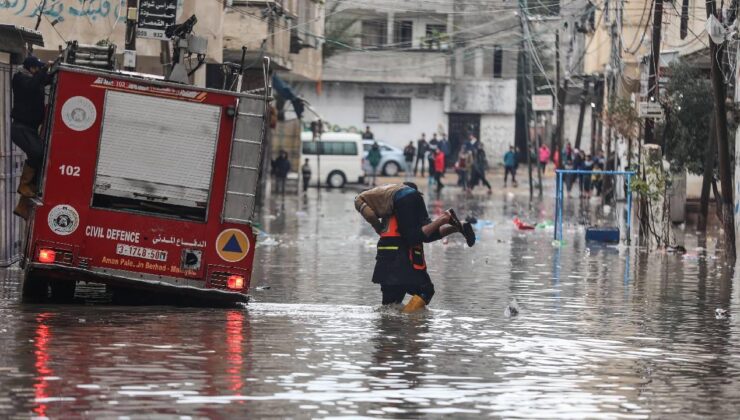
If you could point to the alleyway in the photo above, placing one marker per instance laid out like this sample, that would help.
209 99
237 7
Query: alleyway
601 331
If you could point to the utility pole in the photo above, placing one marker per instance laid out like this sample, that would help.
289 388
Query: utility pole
129 53
716 52
582 113
529 81
523 51
653 76
562 92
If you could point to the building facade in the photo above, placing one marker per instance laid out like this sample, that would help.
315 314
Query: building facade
412 67
385 68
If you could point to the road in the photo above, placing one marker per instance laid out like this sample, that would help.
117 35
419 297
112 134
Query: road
602 332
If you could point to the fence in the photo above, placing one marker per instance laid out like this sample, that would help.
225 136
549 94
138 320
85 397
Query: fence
12 228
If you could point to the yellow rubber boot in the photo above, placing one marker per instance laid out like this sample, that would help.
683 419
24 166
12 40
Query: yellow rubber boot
26 187
23 209
415 304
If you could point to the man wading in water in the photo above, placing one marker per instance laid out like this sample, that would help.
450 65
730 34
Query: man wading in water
400 267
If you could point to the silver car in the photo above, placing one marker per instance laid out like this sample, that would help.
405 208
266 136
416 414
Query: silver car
391 159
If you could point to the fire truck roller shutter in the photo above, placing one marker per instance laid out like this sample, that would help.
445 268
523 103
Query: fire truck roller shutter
246 155
157 149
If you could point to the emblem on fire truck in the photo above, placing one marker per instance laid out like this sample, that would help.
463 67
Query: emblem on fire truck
232 245
63 220
78 113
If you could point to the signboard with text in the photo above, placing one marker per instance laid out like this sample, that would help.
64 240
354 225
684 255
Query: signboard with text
649 109
541 103
155 16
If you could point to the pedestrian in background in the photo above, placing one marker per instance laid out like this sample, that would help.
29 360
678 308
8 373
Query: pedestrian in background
408 155
544 157
421 150
588 165
432 167
306 174
368 135
444 146
478 169
567 152
434 142
578 160
510 163
461 167
281 168
374 156
439 168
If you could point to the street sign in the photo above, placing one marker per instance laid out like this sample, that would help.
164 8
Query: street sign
650 110
541 103
155 16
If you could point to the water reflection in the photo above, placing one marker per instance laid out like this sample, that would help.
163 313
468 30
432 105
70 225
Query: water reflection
603 332
43 372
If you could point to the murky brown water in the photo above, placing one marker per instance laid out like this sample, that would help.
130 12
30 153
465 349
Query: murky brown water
603 332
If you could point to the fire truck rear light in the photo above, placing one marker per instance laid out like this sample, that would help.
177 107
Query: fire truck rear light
235 282
47 256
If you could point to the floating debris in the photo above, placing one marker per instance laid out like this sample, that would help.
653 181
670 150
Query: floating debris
678 249
512 309
720 313
521 225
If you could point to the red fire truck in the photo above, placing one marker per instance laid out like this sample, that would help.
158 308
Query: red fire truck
148 186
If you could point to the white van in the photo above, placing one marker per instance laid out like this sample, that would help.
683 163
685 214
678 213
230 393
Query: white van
341 158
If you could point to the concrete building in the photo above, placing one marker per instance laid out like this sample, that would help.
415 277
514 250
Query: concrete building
386 68
290 32
94 21
412 67
482 93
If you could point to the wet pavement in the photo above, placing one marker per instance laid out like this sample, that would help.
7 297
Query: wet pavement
602 332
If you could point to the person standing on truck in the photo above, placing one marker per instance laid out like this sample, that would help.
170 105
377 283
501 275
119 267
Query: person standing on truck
400 267
373 157
306 174
28 114
281 168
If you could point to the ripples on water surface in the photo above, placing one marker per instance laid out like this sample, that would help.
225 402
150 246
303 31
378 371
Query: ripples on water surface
602 333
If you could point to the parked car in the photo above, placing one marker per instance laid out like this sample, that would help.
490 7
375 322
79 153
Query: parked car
391 159
341 158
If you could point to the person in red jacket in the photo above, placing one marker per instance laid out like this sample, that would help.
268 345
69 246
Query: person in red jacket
439 168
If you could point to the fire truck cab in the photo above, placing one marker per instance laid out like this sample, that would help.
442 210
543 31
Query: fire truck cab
148 186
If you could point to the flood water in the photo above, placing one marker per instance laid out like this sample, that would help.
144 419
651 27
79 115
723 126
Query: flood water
602 332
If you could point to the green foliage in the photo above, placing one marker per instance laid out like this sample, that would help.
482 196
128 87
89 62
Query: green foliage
688 101
622 117
653 190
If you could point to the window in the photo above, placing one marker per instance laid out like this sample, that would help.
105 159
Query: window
402 33
387 110
435 35
498 56
156 155
543 7
374 33
337 148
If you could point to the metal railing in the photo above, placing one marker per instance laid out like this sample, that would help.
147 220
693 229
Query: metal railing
559 197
